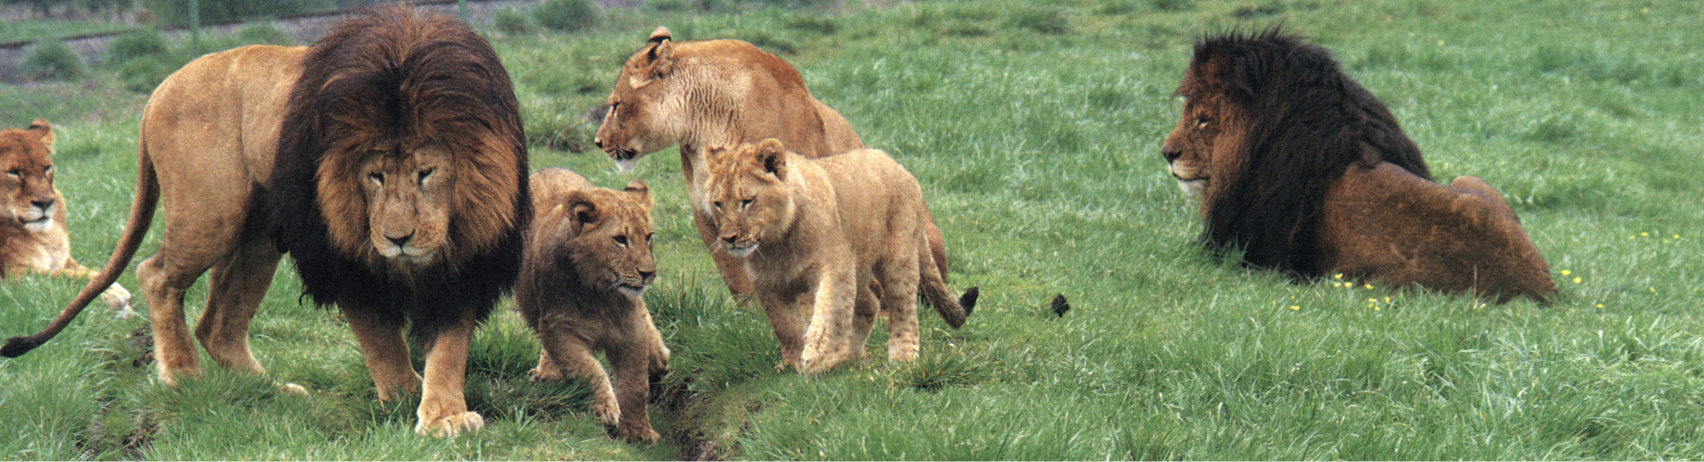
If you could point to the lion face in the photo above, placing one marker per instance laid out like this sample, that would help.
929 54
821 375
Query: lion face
26 177
640 114
1197 149
408 196
749 197
606 236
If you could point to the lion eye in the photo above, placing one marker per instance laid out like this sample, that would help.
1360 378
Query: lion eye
648 237
14 171
745 203
716 204
427 173
377 177
621 241
1201 122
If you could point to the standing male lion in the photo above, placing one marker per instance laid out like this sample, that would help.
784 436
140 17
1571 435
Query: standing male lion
388 159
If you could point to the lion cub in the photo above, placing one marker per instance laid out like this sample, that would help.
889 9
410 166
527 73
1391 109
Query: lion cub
827 233
33 233
587 261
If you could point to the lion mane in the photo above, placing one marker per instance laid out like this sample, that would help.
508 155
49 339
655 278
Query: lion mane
1303 122
430 80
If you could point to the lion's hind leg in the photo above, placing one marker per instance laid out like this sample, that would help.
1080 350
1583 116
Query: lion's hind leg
238 283
899 298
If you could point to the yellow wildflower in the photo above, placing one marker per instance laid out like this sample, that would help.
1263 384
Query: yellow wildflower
1566 272
1369 287
1576 280
1295 307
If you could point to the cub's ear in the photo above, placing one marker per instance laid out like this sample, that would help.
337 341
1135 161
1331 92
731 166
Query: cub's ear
43 130
638 186
659 35
582 212
771 154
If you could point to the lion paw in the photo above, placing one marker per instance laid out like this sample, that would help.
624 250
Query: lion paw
541 374
644 435
607 412
451 425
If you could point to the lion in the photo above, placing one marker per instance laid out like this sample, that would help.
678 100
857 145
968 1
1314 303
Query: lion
388 159
1304 171
34 236
587 262
719 94
817 235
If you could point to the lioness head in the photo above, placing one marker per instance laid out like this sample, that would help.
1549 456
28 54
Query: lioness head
1202 148
643 114
27 181
750 199
606 236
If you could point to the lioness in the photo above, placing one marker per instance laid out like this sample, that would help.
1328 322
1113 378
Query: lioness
33 234
829 229
587 262
720 94
388 160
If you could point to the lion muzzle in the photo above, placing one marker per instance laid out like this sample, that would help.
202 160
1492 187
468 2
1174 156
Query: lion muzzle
38 217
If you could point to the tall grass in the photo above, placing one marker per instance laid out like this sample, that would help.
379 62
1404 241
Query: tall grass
1037 148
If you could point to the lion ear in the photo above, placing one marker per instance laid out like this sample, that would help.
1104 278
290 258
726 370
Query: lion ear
771 154
44 130
659 35
639 187
581 211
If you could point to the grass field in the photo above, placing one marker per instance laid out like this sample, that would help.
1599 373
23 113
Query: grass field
1035 131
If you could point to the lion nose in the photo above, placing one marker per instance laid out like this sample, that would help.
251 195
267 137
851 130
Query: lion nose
646 275
1170 153
598 141
43 204
400 241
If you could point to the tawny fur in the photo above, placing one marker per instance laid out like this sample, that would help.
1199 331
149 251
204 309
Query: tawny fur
34 237
818 235
404 165
720 94
1304 171
588 260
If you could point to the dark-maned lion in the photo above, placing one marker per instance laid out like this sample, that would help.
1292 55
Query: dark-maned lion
707 94
1306 172
34 237
388 159
588 261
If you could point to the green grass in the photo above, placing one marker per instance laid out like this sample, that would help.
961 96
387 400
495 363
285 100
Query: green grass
27 30
1035 133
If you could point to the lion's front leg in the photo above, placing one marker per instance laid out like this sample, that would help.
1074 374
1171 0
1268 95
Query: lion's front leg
827 337
385 350
443 404
787 321
632 364
570 357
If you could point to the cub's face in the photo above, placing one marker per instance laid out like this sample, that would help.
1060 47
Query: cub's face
641 109
26 178
408 197
606 236
749 198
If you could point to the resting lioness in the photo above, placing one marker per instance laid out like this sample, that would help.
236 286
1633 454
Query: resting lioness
588 259
33 234
706 94
829 229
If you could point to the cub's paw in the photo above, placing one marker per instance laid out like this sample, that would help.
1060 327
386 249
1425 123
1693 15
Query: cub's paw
450 425
544 374
607 412
641 435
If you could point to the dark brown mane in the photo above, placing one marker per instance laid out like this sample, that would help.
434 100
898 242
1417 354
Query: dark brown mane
386 80
1304 122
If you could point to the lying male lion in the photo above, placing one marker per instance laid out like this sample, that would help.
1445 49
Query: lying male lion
720 94
33 234
1306 172
588 260
822 230
388 159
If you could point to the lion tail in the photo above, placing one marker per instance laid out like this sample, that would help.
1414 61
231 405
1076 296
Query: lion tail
933 285
141 217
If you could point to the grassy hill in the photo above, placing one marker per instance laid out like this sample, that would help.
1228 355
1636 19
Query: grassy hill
1035 131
